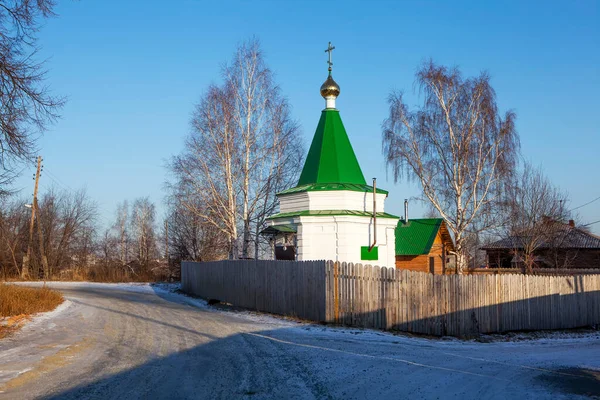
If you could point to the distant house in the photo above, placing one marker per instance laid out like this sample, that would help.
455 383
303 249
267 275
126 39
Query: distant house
559 245
424 245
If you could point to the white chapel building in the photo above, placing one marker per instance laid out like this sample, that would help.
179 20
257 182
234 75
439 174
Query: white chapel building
329 214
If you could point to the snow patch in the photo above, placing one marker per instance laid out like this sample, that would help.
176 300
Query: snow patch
166 287
43 317
130 287
372 335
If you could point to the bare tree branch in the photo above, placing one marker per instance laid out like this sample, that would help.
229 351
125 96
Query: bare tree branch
456 145
26 106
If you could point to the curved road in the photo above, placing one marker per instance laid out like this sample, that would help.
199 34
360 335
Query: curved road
139 342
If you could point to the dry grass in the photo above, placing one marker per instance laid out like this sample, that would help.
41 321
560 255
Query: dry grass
18 302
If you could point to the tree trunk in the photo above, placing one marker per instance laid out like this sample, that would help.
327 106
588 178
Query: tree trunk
461 257
246 243
257 232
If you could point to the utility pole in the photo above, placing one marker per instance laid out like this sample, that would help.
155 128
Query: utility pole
27 260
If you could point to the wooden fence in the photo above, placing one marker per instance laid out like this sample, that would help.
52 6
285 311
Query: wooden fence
458 305
281 287
385 298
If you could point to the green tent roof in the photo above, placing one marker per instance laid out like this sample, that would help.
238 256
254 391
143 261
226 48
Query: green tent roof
331 158
417 236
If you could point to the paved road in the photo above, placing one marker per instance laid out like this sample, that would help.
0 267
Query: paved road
123 342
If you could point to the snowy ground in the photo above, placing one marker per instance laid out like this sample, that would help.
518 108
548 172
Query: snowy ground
142 341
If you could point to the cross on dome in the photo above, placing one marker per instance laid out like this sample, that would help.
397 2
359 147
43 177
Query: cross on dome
330 90
330 48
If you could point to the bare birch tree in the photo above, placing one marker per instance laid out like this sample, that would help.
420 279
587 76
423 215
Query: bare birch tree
243 148
456 145
207 172
262 121
279 171
121 228
143 228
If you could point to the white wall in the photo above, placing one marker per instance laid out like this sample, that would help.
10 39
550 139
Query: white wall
340 238
293 202
331 200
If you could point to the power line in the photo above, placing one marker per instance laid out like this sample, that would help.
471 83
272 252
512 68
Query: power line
583 205
592 223
54 178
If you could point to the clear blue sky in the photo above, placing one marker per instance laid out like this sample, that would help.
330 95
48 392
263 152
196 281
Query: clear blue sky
132 71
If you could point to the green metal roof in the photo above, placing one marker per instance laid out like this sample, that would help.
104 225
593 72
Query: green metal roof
323 213
315 187
276 229
416 237
331 158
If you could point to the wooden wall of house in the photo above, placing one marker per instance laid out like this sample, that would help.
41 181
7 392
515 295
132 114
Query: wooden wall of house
421 263
499 258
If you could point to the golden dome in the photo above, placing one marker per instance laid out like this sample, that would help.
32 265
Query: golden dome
330 88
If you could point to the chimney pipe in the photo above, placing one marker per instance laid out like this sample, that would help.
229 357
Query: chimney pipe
572 223
374 214
405 211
